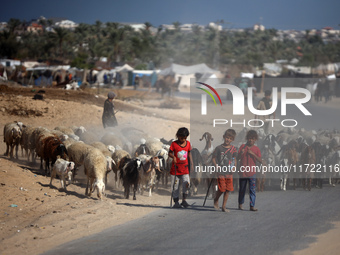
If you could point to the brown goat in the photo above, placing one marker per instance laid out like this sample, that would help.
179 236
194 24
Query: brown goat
53 147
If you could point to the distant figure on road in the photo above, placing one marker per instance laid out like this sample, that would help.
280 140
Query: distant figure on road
136 82
109 118
326 90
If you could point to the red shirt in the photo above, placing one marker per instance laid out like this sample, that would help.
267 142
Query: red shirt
248 160
181 154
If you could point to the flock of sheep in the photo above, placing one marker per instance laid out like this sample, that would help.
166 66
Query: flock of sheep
66 149
140 160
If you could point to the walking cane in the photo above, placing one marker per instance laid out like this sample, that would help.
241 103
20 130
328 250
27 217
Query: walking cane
208 191
173 186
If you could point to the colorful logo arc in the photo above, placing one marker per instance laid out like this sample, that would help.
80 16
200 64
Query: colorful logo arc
208 92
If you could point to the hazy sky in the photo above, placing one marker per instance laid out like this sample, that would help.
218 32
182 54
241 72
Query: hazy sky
284 14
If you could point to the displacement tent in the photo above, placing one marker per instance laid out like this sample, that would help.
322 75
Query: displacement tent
124 68
188 72
184 70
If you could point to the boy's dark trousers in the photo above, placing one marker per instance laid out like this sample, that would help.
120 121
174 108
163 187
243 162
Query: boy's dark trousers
252 190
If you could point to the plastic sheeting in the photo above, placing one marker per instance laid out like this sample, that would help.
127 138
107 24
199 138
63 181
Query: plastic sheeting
186 70
124 68
272 69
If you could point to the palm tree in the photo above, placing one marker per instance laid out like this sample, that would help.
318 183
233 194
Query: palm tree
60 34
147 26
176 25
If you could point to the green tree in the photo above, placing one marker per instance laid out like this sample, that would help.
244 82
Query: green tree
60 35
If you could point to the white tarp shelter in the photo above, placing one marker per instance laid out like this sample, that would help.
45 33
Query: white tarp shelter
299 69
326 69
124 68
272 69
100 76
184 70
10 62
247 75
30 64
188 72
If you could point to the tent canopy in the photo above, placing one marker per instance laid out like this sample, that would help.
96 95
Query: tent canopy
124 68
186 70
186 73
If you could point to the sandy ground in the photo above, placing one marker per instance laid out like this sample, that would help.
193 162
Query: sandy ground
326 244
35 217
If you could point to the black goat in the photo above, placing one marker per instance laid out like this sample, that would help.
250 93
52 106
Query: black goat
129 175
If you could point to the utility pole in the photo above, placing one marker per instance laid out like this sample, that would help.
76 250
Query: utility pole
216 60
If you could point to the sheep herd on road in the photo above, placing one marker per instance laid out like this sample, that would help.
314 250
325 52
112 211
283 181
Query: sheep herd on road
139 160
65 149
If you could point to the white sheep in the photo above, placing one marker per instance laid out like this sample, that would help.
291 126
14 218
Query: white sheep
111 139
25 140
134 135
154 145
20 124
74 137
111 148
323 139
68 142
58 133
103 148
95 166
77 152
87 136
128 147
12 137
166 147
79 130
65 130
73 85
62 168
307 134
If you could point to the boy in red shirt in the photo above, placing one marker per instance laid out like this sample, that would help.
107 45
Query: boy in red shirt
223 156
180 153
248 155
